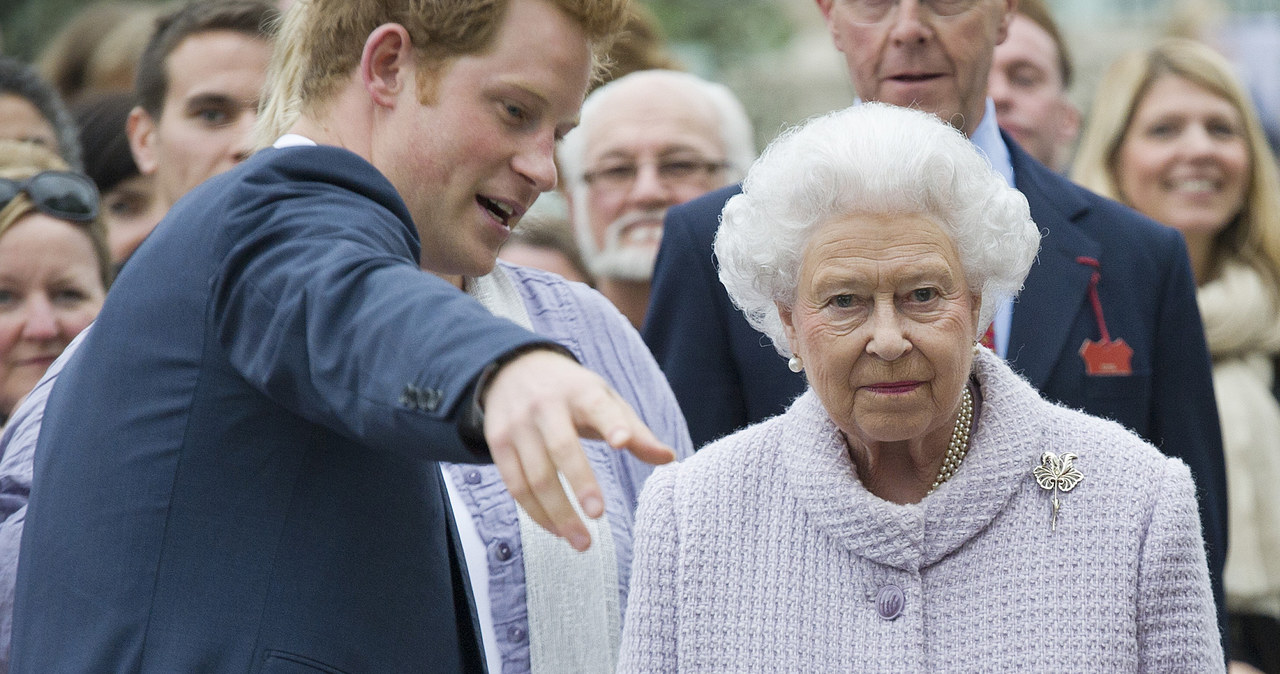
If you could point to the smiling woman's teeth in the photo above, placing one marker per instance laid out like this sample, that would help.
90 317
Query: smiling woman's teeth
1193 185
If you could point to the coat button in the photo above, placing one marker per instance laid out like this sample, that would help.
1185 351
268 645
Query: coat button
430 400
502 551
890 601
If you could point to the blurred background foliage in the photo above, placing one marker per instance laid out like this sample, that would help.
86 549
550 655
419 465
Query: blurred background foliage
724 29
714 33
777 56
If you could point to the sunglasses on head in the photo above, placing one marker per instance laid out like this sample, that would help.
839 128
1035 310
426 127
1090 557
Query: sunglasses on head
61 194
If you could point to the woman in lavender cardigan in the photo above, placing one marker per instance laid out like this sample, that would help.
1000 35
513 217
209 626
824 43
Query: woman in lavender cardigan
920 508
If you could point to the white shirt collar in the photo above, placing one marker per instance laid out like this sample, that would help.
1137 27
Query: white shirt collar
293 140
987 138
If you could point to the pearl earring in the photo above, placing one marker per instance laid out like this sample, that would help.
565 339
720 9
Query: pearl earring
795 364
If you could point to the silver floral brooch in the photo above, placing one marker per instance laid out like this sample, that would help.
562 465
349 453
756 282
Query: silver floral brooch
1057 474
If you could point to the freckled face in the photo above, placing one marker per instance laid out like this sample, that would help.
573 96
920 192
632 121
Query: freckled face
884 323
471 162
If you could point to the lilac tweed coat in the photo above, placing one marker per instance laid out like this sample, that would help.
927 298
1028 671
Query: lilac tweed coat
765 553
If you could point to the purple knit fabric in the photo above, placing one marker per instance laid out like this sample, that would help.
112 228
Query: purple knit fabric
765 553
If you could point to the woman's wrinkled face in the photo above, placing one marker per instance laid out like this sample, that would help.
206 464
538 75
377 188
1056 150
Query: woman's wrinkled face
50 290
884 322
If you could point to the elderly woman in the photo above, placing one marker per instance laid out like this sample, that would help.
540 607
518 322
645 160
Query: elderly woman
920 508
1173 133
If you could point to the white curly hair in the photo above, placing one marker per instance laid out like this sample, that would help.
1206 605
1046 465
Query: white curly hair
871 159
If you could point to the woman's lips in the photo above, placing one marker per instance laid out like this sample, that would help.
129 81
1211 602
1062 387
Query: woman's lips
42 362
893 387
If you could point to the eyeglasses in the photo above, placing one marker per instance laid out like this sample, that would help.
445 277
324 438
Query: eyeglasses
670 172
61 194
875 11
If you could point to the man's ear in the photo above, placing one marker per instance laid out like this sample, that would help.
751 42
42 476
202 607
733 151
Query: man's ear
387 64
824 6
1069 122
1010 10
141 131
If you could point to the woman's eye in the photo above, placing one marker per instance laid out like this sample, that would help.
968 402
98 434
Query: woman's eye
923 294
842 301
1222 130
69 297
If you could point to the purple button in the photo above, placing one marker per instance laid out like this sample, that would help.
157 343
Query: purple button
472 476
889 602
502 551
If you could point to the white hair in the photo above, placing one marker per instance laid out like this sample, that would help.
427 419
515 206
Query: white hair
869 159
735 126
735 137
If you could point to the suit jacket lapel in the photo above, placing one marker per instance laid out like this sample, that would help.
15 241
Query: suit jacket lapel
1057 286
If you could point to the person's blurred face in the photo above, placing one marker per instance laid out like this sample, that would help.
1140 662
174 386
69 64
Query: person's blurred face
20 120
933 55
649 146
1184 160
884 323
470 161
214 82
50 290
1030 96
130 210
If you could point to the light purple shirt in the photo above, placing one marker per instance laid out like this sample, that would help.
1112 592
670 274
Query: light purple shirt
586 323
17 453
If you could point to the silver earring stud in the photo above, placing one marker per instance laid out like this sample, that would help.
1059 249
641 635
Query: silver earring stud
795 364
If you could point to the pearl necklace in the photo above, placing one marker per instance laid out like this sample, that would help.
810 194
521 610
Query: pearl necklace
959 446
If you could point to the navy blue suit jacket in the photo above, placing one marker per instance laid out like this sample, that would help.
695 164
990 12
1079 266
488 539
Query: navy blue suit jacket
236 470
726 375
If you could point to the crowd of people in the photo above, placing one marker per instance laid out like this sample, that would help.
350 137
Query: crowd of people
352 335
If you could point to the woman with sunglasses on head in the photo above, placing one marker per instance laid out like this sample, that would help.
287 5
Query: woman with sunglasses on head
54 264
54 272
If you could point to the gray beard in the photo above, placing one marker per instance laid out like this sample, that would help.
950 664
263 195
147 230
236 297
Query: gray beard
618 261
624 264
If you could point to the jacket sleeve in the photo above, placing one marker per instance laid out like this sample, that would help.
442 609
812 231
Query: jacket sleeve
325 313
1177 628
649 642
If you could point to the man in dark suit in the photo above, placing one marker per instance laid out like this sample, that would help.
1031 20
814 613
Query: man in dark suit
1107 321
238 470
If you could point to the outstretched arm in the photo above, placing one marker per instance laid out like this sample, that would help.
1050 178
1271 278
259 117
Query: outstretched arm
536 408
